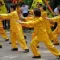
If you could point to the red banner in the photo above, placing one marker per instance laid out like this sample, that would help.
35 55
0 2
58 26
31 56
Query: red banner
16 1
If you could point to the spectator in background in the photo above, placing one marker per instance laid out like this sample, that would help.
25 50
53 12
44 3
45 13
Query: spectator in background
56 10
25 9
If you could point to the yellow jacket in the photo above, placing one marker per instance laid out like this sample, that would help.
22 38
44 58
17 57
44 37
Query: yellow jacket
47 23
1 25
38 24
2 10
13 17
57 19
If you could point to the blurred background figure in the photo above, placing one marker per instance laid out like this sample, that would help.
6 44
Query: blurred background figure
25 9
56 10
3 10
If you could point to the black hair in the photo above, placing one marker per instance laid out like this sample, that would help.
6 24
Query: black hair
44 8
13 6
37 12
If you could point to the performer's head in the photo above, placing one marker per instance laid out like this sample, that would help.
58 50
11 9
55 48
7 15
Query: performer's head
44 8
37 12
12 8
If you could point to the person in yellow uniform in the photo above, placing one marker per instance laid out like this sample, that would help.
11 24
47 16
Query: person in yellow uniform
52 35
16 33
2 31
56 19
39 5
27 19
18 8
42 35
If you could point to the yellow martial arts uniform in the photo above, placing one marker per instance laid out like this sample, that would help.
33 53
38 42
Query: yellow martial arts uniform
56 19
52 35
15 29
27 19
3 32
42 36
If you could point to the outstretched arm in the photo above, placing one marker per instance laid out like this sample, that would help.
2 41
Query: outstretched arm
30 23
55 19
4 16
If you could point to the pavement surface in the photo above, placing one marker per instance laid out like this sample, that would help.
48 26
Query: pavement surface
7 54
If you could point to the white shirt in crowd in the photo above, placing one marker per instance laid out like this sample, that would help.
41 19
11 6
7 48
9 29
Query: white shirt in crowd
56 11
25 9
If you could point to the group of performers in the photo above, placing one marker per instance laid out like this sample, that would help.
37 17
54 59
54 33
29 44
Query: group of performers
37 19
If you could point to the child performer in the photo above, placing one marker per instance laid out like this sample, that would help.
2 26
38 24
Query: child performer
2 31
51 34
16 30
18 8
42 35
56 19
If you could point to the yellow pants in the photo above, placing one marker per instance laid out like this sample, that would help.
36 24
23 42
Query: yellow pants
19 37
33 35
52 36
43 37
3 33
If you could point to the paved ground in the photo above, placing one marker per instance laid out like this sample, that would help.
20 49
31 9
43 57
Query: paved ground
7 54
